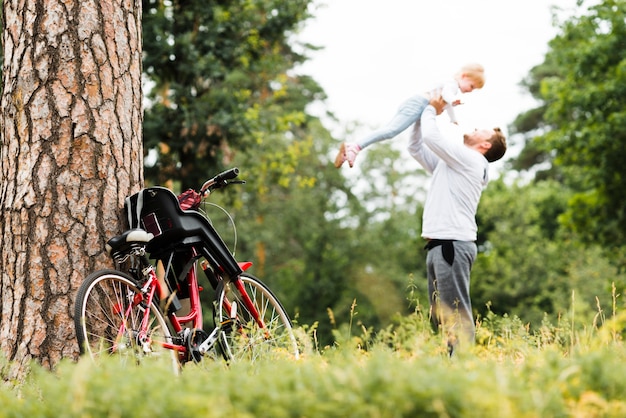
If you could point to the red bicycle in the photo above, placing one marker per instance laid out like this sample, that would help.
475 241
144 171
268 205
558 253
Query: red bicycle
150 306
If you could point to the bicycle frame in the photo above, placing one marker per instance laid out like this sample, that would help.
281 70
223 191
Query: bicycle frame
194 317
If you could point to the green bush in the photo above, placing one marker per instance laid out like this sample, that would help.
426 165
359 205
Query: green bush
402 371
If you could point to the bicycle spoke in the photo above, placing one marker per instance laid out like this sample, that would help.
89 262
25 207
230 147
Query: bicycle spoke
262 327
109 314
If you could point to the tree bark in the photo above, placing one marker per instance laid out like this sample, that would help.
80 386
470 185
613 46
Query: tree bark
71 152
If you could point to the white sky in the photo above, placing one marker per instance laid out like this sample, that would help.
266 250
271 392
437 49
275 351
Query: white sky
378 53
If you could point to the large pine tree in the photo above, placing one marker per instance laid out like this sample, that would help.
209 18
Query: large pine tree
71 152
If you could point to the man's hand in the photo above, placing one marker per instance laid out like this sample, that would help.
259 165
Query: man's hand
438 103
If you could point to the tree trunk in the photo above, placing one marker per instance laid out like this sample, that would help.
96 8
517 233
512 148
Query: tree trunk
71 152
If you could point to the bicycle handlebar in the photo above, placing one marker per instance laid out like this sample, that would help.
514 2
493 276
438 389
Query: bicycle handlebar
221 180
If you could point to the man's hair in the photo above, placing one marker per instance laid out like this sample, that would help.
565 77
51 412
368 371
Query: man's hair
474 72
498 146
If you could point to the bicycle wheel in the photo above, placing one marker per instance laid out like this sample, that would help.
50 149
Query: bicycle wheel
108 314
242 337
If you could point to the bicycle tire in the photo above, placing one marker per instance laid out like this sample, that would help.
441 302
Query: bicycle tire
243 339
97 320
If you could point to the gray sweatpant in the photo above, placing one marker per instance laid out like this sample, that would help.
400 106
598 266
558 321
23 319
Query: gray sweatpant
449 291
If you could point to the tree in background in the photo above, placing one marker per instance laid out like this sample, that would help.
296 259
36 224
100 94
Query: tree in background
219 82
529 265
71 152
579 127
557 243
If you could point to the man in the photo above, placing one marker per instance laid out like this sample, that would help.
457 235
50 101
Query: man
459 175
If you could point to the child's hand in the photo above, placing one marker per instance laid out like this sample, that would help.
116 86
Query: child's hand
457 102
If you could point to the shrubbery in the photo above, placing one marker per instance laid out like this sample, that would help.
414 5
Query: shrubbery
402 371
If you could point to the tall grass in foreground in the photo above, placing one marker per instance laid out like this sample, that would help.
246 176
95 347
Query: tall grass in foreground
403 371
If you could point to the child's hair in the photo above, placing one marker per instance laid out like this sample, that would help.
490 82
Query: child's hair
475 72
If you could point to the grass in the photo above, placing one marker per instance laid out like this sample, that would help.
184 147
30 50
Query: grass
558 370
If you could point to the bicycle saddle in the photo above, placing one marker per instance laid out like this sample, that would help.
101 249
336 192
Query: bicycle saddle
123 243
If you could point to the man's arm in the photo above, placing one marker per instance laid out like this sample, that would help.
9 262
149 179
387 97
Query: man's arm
452 152
420 151
430 130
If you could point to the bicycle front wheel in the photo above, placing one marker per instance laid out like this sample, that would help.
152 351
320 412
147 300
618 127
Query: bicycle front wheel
254 323
111 317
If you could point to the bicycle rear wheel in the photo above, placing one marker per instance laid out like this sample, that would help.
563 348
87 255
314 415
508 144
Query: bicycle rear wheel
246 337
108 316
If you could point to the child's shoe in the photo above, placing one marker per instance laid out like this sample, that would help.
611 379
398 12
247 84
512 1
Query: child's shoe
341 156
352 150
347 152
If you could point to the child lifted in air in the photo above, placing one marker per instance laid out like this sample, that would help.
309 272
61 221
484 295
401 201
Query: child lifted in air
470 77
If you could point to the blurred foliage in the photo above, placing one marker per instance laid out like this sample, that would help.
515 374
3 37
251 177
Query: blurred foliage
404 371
579 126
529 266
218 82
